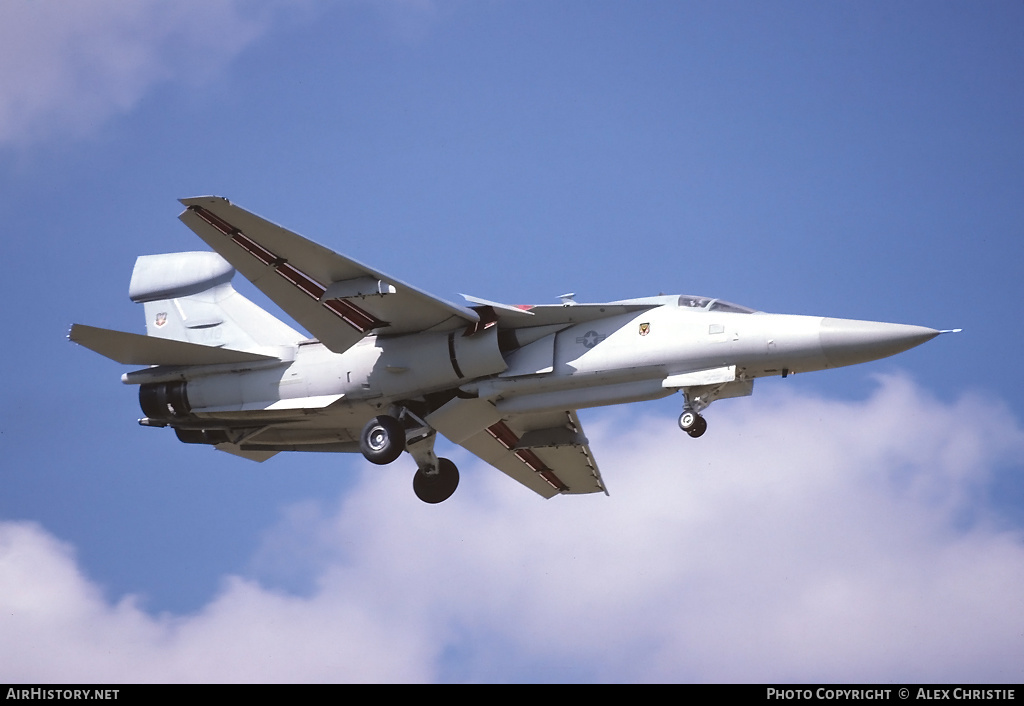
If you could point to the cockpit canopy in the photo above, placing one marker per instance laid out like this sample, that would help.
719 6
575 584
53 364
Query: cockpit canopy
687 301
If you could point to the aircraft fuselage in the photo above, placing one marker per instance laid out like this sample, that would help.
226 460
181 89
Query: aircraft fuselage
626 357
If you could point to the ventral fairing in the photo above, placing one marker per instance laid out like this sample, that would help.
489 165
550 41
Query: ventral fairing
390 366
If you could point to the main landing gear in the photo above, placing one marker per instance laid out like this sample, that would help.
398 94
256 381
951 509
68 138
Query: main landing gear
437 486
383 440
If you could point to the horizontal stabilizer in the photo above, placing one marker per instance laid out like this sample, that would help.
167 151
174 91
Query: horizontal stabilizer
135 349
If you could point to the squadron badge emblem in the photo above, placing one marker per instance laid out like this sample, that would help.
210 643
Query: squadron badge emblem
161 319
645 329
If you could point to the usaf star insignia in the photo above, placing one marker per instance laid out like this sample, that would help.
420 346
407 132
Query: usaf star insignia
591 338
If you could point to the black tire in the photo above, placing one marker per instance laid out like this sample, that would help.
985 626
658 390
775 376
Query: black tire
699 427
439 487
382 440
688 420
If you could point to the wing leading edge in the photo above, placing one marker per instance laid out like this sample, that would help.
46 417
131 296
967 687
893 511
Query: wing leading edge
337 299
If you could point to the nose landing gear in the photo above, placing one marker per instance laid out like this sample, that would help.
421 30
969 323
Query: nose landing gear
692 423
690 420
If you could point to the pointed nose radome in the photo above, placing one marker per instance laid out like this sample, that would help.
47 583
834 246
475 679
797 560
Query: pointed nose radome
847 341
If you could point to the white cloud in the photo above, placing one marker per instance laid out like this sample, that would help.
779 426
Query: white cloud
65 67
57 627
800 539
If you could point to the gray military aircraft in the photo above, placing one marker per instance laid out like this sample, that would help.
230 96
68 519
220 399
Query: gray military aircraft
390 365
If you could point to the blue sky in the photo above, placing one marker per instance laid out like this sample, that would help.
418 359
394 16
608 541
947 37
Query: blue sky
860 160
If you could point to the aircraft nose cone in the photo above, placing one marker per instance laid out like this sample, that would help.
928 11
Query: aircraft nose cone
847 341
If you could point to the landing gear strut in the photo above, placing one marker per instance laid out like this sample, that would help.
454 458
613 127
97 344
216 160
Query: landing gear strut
436 478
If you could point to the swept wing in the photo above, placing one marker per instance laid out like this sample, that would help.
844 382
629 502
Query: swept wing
337 299
545 451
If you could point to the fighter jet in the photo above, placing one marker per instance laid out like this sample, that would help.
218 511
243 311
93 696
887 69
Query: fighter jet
390 366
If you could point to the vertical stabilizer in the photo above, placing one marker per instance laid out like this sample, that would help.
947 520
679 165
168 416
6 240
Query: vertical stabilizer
188 296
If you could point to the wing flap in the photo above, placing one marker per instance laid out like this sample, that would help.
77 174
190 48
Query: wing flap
337 299
483 445
136 349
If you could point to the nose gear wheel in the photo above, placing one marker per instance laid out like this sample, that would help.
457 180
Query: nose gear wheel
692 423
